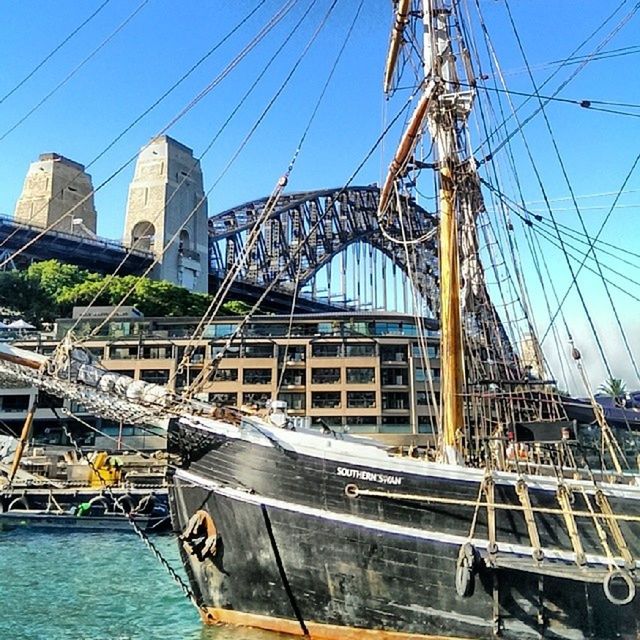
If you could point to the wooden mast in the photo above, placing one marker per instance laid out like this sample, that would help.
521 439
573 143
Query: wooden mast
402 17
24 438
443 106
451 352
440 63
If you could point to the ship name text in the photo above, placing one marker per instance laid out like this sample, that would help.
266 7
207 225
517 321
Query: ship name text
371 476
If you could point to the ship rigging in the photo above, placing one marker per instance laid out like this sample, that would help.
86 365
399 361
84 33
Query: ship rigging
344 536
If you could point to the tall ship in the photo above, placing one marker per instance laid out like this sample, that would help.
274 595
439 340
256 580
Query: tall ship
503 529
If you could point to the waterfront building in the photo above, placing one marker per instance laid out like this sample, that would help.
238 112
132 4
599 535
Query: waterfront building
358 372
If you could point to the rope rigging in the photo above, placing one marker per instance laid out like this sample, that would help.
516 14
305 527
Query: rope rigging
185 178
522 123
138 119
270 25
272 201
297 252
217 300
583 103
75 70
54 51
577 208
540 225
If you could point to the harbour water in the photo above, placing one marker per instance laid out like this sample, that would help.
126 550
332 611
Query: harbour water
96 586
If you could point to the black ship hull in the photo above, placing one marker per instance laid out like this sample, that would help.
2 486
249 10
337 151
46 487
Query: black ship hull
298 549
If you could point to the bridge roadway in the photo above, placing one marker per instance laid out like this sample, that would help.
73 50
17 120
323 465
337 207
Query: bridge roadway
104 256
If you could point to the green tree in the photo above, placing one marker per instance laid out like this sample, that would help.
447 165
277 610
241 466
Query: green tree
236 308
82 295
49 290
613 387
54 276
154 298
25 296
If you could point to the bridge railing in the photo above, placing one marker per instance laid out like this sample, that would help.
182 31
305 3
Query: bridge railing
95 241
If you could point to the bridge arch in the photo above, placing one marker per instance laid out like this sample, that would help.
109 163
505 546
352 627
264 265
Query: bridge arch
306 230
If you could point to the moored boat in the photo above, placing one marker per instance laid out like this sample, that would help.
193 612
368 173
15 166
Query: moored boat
505 531
316 534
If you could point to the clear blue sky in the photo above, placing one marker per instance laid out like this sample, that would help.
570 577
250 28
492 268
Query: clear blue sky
165 38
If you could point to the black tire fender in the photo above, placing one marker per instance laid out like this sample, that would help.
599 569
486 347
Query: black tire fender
465 570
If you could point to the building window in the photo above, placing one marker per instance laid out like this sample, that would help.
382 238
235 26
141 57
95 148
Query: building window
325 400
395 377
362 424
225 375
361 375
219 330
257 350
325 376
256 399
424 399
361 350
256 376
395 424
433 351
292 353
326 350
257 329
156 353
293 377
123 353
223 399
12 404
155 376
361 399
230 352
393 353
295 401
395 401
196 354
304 329
426 424
422 376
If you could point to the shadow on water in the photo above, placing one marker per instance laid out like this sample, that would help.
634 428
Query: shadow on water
96 586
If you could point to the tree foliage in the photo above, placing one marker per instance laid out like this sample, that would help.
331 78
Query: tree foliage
613 387
50 289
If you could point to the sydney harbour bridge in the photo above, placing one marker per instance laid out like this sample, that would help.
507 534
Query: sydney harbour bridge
329 246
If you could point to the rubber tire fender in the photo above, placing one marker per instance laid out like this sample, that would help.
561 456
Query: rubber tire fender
465 570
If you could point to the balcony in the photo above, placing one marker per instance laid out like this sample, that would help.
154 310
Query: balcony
326 400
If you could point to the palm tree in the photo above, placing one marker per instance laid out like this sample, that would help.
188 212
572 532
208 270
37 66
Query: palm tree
613 387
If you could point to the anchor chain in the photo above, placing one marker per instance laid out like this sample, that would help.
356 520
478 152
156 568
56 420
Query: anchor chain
188 593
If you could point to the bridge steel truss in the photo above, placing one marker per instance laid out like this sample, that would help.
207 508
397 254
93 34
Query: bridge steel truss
306 230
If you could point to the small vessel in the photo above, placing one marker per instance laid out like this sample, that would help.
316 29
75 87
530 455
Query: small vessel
51 488
71 521
504 531
76 507
621 413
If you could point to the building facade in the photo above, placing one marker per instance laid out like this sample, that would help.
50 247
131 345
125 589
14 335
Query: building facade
361 373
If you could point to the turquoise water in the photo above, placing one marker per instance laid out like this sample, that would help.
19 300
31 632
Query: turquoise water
96 586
